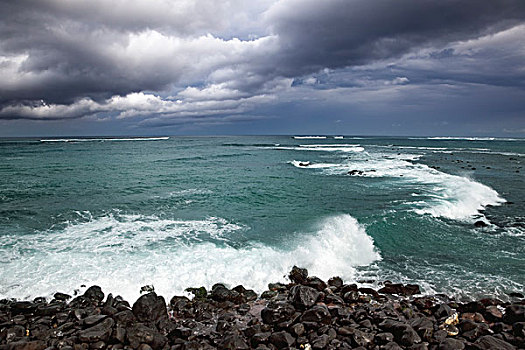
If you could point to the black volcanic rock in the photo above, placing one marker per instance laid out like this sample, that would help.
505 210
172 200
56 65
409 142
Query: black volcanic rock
341 316
150 308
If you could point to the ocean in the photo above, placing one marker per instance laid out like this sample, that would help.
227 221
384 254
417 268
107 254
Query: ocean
445 213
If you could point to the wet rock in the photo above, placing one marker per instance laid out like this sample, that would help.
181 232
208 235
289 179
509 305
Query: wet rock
94 293
298 275
233 341
62 296
142 334
383 338
320 342
303 297
150 308
277 312
198 293
221 294
489 342
493 314
282 340
423 326
336 282
443 310
403 333
316 283
29 345
514 313
480 223
125 317
451 344
399 289
92 320
22 307
390 346
260 338
317 314
101 331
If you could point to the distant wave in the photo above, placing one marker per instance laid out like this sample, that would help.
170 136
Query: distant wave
108 139
466 138
444 195
324 148
308 137
149 250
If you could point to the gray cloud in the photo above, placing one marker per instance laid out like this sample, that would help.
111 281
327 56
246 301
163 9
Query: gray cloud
162 60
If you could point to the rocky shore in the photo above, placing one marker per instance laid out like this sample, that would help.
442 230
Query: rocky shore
307 313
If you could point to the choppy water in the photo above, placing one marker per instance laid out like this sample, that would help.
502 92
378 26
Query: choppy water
191 211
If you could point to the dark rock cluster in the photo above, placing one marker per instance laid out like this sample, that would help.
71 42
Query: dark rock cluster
307 313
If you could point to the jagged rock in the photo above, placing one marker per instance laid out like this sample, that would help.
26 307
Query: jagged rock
489 342
233 341
282 340
320 342
336 282
150 308
277 312
480 223
298 275
125 317
220 293
443 310
451 344
398 288
390 346
62 296
260 338
23 345
423 326
403 333
514 313
92 320
94 293
493 314
101 331
142 334
317 314
383 338
303 297
316 283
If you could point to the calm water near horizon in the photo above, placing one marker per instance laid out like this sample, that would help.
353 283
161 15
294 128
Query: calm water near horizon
189 211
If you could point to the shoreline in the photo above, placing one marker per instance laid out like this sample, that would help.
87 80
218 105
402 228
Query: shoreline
307 313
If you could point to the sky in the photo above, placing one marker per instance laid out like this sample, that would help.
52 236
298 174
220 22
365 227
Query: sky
310 67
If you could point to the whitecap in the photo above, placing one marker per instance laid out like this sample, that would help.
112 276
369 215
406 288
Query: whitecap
123 253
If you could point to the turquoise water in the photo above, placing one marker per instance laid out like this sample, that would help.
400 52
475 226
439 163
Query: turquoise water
191 211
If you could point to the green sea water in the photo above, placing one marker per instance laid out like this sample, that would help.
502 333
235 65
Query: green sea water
190 211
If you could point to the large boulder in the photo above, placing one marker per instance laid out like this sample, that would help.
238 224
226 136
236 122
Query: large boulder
298 275
317 314
489 342
99 332
277 312
150 308
303 297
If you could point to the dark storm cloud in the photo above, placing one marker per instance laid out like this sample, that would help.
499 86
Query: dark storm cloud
334 34
180 59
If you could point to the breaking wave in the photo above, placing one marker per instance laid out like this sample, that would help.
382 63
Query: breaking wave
121 253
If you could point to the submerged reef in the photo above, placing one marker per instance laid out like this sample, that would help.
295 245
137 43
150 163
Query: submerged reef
307 313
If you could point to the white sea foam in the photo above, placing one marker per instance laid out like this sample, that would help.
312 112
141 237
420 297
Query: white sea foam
108 139
123 253
309 137
444 195
325 148
338 137
307 164
459 138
